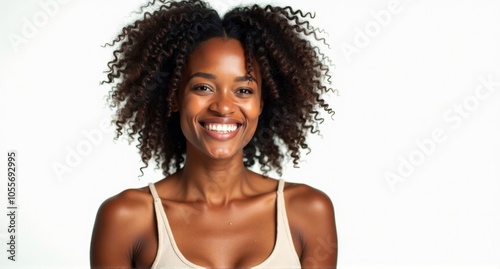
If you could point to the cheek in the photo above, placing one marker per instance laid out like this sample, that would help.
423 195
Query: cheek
252 113
252 110
191 107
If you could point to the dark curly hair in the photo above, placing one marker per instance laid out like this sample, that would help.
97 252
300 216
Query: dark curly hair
153 52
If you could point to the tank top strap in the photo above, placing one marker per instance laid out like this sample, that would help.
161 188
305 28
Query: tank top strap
281 185
160 222
285 255
152 189
282 219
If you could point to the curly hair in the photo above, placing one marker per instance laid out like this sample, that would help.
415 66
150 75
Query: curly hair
153 52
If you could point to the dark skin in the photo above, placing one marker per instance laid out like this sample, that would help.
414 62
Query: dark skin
222 215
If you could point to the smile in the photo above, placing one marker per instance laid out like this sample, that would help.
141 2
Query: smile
220 128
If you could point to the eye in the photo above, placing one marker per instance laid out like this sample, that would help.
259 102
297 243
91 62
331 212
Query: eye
244 91
202 88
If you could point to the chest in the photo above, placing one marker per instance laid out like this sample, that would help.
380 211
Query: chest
239 235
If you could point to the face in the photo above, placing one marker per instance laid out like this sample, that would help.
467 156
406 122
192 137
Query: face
219 105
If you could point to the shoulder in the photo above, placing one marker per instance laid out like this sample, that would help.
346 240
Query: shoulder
128 213
310 212
127 204
307 201
121 222
312 224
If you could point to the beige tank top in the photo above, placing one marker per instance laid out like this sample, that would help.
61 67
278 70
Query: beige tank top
169 255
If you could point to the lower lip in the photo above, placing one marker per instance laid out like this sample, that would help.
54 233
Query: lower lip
222 136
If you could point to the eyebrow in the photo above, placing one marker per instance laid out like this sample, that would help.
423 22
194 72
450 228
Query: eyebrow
213 77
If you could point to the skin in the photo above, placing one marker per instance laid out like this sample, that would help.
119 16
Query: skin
222 215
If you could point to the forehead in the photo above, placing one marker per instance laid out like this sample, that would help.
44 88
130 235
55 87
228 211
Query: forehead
218 46
217 51
219 55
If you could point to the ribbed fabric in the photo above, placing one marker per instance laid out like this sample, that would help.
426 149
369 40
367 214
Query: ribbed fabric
169 255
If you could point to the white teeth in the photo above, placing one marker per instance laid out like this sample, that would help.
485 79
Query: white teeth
221 128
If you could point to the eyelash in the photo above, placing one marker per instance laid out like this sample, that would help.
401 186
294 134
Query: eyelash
202 88
206 88
248 90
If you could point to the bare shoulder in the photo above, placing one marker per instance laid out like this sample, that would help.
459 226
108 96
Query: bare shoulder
307 201
121 221
126 205
312 224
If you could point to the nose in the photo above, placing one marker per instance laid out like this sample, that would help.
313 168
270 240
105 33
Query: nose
223 104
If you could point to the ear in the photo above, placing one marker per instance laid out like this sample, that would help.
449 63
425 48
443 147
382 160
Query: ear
261 105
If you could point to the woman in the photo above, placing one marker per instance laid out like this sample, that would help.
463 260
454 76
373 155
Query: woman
208 97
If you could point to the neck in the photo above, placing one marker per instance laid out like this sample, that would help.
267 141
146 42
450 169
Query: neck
216 182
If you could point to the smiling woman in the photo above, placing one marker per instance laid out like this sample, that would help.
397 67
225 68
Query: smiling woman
220 102
208 97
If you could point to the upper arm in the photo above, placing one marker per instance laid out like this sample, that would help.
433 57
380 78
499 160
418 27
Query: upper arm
314 217
115 232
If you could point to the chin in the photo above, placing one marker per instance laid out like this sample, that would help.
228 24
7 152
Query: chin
221 154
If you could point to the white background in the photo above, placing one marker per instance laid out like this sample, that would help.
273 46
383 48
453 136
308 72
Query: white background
399 84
